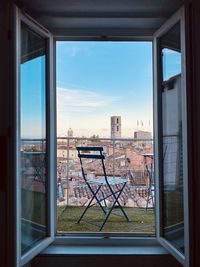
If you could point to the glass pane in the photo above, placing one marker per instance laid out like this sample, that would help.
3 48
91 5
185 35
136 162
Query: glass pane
172 178
171 63
33 138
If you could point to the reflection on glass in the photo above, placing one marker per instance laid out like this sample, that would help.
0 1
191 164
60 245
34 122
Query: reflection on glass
173 224
33 138
171 63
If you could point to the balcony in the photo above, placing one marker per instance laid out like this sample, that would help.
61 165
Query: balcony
127 158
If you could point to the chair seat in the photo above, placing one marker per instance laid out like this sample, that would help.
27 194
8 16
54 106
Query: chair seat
111 180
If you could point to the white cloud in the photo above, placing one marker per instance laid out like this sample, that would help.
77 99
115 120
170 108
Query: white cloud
76 100
88 112
72 48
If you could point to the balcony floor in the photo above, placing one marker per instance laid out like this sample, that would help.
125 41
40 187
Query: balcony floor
141 221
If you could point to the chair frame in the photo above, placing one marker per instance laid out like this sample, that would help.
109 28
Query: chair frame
83 153
150 189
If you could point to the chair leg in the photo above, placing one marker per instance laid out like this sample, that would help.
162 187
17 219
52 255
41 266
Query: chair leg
116 198
116 201
148 198
94 196
88 206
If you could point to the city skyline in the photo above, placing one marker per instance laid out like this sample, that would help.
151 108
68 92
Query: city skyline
106 132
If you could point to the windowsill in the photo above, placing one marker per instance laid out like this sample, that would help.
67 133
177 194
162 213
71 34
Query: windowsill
103 246
104 250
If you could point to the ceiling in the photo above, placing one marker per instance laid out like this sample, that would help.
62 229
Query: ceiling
101 17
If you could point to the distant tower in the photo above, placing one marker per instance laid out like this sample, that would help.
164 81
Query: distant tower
70 133
116 127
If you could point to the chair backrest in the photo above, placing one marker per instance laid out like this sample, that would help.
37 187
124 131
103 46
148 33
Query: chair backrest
85 153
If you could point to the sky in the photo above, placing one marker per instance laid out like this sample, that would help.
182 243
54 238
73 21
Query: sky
171 63
32 100
97 80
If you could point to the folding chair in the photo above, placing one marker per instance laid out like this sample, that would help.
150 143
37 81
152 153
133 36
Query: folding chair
151 187
97 185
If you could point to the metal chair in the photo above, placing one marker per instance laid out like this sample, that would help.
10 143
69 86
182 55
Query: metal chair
150 181
151 187
97 185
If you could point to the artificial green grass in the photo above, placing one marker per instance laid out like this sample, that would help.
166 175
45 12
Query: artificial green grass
141 221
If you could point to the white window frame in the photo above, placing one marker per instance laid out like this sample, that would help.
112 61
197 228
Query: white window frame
19 17
97 237
179 16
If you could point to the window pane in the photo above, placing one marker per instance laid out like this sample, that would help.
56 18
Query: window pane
33 138
172 178
171 63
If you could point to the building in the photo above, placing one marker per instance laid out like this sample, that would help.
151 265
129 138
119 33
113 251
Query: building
115 125
66 153
142 135
70 133
98 20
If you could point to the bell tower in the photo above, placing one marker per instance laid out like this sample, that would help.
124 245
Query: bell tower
115 126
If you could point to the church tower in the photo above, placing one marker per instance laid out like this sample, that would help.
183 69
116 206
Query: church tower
116 127
70 133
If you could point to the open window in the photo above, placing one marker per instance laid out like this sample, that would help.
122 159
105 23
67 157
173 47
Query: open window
170 117
34 122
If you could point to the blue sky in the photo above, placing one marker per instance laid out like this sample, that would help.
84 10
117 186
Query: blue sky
33 98
171 63
96 80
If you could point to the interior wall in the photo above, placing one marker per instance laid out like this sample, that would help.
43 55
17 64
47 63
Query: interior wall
6 208
193 98
4 113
